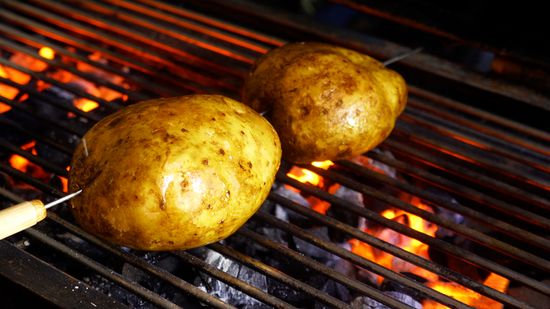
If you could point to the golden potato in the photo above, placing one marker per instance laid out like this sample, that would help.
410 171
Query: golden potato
174 173
325 102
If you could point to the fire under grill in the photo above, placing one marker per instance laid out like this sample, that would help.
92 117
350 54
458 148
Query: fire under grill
451 210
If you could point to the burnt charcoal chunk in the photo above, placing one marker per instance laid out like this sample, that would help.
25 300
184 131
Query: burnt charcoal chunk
393 286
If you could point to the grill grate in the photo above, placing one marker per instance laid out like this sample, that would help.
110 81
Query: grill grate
497 168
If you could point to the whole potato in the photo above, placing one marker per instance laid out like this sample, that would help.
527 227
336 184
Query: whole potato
325 102
174 173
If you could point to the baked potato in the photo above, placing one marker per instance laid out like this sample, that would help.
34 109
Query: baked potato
174 173
326 102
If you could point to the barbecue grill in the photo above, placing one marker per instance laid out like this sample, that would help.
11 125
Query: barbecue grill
479 178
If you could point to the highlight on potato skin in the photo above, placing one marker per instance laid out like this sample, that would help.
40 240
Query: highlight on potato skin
326 102
174 173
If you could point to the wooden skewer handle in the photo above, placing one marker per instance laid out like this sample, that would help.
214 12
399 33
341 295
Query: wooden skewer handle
21 216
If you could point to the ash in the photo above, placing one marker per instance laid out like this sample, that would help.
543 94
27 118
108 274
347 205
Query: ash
225 292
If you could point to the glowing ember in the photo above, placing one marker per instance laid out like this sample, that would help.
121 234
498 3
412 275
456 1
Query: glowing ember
467 296
47 53
85 104
27 62
6 91
23 165
37 65
3 107
65 181
18 76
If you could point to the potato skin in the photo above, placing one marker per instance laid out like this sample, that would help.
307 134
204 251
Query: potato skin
174 173
325 102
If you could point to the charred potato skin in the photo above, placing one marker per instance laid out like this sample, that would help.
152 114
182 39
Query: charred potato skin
325 102
174 173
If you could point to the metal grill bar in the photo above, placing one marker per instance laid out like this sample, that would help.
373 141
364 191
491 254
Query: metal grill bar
360 287
494 163
111 275
31 113
109 105
508 130
34 159
45 280
144 38
442 245
147 50
115 277
511 230
468 174
472 138
467 232
141 82
234 282
214 32
210 21
137 51
371 266
46 140
226 50
380 49
456 188
396 251
99 81
143 265
277 274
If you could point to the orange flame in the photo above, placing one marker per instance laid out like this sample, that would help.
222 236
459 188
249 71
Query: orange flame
383 258
306 176
409 244
6 91
62 76
468 296
65 181
18 76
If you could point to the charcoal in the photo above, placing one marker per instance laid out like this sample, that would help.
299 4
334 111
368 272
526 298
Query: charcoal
311 250
353 197
528 295
336 289
117 292
13 135
53 155
47 109
445 213
288 215
394 286
364 302
225 292
80 245
162 260
376 165
288 294
133 273
372 203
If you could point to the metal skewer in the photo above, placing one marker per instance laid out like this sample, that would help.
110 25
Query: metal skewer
26 214
402 56
63 199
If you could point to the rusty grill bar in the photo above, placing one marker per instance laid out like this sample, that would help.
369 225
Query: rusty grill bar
495 165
